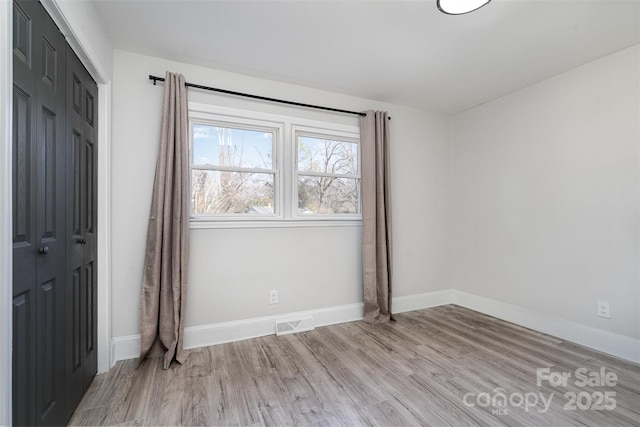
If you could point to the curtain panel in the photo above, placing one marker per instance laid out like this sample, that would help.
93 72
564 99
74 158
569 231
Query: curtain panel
376 217
164 282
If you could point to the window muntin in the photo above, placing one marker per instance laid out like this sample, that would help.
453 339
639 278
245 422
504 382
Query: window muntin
233 170
327 175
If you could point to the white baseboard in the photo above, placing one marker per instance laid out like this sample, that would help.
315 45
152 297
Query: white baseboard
128 347
420 301
219 333
598 339
123 348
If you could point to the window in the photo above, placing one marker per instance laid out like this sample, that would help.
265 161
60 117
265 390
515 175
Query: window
255 169
233 170
327 175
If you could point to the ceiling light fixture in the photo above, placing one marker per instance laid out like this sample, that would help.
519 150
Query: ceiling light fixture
460 7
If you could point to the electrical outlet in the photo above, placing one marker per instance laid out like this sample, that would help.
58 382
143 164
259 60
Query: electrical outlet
604 310
273 297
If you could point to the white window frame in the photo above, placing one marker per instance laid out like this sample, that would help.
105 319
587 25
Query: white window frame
328 134
276 129
285 163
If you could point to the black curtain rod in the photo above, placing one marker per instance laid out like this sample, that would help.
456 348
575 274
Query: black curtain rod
262 98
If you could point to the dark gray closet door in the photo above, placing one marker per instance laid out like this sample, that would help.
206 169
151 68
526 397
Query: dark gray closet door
38 216
81 227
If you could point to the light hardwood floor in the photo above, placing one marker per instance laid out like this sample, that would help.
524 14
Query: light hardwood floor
415 371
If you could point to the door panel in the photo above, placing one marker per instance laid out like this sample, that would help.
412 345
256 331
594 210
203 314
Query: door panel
89 304
39 234
88 206
76 329
22 34
81 243
24 375
76 317
54 221
90 211
24 218
50 214
23 183
47 365
24 153
49 166
22 191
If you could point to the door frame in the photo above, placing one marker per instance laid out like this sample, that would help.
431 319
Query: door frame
6 250
80 43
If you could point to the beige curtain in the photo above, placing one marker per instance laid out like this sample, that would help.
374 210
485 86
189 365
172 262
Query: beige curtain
376 217
164 282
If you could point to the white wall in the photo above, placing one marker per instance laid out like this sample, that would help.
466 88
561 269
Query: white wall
232 270
546 195
81 25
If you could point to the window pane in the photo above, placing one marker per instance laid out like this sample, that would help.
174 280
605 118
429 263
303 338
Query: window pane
220 146
215 192
327 156
327 195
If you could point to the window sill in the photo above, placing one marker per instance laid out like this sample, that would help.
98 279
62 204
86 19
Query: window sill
198 224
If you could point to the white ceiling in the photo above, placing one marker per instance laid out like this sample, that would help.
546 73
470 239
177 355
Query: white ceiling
403 52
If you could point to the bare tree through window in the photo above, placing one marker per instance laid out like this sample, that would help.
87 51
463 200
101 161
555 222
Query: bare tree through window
232 171
271 167
327 176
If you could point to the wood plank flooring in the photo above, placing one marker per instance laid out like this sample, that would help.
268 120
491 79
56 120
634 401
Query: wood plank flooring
436 367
